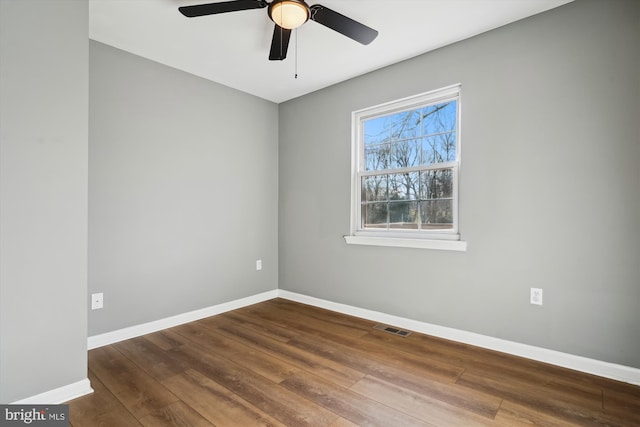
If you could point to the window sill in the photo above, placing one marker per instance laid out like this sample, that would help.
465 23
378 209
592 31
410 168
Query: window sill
398 242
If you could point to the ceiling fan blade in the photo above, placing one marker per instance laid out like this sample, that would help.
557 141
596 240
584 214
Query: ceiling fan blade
342 24
221 7
279 43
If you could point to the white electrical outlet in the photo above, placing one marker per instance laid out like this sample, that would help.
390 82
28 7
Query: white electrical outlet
536 296
97 301
259 264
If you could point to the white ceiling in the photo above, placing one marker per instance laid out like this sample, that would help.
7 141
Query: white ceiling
232 48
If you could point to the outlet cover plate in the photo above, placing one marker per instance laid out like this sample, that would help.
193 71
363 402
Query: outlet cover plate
536 296
97 301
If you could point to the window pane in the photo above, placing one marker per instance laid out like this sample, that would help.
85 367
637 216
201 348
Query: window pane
404 186
375 188
405 125
374 215
377 130
405 153
439 118
436 184
439 148
437 214
377 157
403 215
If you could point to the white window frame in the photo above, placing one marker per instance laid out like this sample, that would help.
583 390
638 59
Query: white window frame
432 239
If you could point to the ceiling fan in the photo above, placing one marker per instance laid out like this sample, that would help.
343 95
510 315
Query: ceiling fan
287 15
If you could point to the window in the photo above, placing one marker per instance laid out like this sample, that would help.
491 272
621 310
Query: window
406 156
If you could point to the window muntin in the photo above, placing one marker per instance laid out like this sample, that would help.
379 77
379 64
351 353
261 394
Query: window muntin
406 169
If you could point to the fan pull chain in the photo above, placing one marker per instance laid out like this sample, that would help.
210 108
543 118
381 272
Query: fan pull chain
296 60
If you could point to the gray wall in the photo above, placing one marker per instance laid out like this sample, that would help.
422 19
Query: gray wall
548 191
44 57
183 182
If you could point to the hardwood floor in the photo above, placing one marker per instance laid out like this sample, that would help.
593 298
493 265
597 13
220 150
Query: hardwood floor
281 363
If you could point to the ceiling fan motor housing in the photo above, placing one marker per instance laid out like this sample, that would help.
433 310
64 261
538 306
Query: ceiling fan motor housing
289 14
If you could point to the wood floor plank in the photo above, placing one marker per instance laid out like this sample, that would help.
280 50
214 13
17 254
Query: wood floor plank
260 362
514 415
349 405
99 409
149 357
541 394
401 359
242 318
333 317
420 406
306 323
623 404
285 406
478 402
177 414
392 351
335 372
487 362
138 391
563 407
341 422
162 340
216 403
564 384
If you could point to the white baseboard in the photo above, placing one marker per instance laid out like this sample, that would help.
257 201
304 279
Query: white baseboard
169 322
59 395
565 360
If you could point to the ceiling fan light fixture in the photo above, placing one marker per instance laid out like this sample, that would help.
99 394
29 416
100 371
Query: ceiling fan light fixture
289 14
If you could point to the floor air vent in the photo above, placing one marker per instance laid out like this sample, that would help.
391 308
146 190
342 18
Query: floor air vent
392 330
